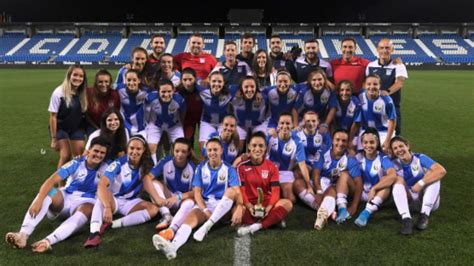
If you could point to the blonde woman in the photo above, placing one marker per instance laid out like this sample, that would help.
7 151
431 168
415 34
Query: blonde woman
66 121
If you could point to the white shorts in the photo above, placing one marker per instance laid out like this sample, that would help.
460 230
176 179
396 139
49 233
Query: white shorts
211 204
206 129
325 183
382 135
365 192
287 177
154 133
123 206
70 204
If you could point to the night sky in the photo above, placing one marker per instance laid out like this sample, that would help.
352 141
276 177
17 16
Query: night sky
209 11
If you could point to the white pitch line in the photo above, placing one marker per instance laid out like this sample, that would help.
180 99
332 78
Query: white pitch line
242 251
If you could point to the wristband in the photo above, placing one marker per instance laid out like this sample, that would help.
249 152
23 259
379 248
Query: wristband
324 125
319 192
421 183
205 210
180 197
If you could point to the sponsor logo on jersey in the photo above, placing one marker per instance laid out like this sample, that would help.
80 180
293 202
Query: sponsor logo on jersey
186 175
221 98
378 108
388 72
222 177
415 168
288 148
171 108
317 140
264 174
202 60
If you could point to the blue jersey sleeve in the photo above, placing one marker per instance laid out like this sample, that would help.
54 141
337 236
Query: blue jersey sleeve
332 100
353 168
233 178
392 114
158 169
197 179
426 161
318 164
181 102
386 164
300 154
68 169
112 170
233 88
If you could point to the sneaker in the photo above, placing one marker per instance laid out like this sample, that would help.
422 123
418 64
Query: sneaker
244 230
167 234
104 227
164 223
321 219
93 241
16 239
407 226
41 246
342 215
363 218
165 246
422 223
202 232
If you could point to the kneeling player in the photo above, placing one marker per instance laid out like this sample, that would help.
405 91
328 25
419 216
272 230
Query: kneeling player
335 175
174 191
215 188
74 201
118 191
421 177
260 176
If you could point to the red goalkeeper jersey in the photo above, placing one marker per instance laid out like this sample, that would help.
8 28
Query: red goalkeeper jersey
202 63
265 176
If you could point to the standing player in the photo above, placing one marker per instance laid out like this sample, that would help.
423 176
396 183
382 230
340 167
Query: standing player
260 173
392 76
189 91
167 70
139 59
377 172
158 47
67 105
287 152
215 188
173 190
118 191
421 178
317 97
336 174
166 113
247 42
74 201
348 111
310 62
201 62
315 143
263 70
132 100
377 111
349 67
232 69
249 111
279 59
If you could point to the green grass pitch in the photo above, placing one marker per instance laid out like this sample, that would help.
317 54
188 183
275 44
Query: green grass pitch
438 115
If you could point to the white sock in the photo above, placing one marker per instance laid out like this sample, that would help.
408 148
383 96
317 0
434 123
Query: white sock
401 201
29 223
67 228
96 217
184 210
224 205
341 200
163 210
374 204
329 204
131 219
182 235
430 197
308 199
255 227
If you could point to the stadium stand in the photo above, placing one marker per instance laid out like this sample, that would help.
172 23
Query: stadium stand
115 46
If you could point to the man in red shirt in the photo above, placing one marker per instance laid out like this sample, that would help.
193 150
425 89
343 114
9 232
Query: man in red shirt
349 67
259 173
158 46
201 62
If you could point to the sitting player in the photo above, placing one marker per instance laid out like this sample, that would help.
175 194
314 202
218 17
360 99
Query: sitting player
215 187
74 201
335 175
260 174
229 138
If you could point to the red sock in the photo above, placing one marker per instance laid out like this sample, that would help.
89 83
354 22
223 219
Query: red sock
275 216
248 219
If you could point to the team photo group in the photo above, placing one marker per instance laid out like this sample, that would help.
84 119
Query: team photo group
190 141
